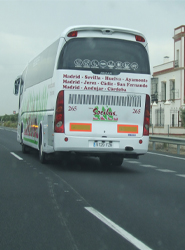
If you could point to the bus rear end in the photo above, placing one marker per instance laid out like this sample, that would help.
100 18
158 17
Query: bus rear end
103 88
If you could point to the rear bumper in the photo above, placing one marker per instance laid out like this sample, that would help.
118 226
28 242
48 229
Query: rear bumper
86 145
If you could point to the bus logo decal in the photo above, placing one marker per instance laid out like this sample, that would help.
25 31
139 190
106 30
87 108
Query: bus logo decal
103 64
126 65
78 63
86 63
105 114
111 64
134 66
95 64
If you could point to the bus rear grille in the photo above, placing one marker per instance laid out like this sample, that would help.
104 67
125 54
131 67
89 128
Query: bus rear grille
129 100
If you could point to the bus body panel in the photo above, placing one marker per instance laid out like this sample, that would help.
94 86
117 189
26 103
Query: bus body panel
37 106
104 120
124 107
103 31
89 99
89 145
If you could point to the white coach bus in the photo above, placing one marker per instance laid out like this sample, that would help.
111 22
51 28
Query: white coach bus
87 93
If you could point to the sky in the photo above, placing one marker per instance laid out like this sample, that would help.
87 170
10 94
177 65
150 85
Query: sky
28 26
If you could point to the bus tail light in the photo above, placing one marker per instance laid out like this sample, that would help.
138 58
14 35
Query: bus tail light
139 39
59 113
73 34
147 116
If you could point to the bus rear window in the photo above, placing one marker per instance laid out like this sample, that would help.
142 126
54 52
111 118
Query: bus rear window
104 56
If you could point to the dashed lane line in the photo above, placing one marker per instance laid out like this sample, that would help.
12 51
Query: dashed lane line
166 170
148 166
168 156
181 175
134 162
129 237
155 167
16 156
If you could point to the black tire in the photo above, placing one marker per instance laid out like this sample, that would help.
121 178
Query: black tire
42 155
24 148
117 161
105 163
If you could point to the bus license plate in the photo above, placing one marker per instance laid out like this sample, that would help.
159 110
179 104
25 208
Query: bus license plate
101 144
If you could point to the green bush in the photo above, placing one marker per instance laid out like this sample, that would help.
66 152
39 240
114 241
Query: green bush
9 120
7 124
182 115
10 124
13 125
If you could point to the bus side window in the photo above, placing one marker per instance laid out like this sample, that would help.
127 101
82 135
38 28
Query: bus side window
21 83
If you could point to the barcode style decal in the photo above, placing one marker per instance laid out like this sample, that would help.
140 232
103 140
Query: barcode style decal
129 100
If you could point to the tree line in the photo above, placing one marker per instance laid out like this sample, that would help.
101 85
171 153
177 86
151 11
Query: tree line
9 120
182 114
6 118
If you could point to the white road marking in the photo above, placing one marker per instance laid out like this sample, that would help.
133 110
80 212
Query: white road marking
148 166
169 156
181 175
19 158
134 162
137 243
166 170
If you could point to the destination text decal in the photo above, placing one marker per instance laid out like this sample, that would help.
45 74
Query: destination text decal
103 83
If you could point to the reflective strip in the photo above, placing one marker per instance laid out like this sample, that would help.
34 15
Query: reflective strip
80 127
133 129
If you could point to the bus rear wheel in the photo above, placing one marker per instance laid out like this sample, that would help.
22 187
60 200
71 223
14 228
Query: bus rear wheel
24 148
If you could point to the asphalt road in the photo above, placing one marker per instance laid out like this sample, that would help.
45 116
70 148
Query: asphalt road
140 205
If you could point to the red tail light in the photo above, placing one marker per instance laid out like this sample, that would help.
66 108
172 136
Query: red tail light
59 113
73 34
140 39
147 116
